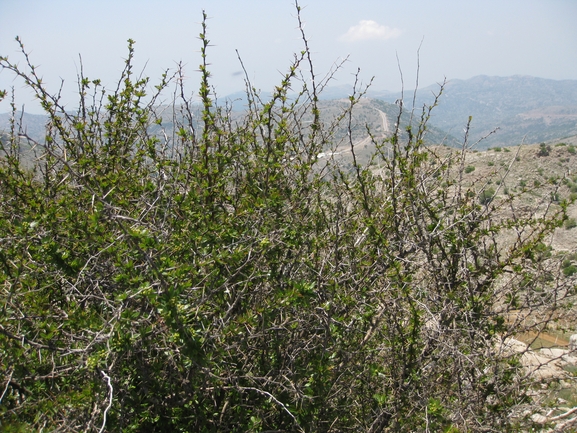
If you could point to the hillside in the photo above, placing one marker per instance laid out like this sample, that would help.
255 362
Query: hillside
525 109
520 109
31 124
543 171
527 177
376 115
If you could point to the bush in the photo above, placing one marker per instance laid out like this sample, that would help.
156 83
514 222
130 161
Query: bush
544 150
486 196
570 270
195 273
469 169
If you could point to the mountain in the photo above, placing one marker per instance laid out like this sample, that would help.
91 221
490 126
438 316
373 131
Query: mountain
380 116
33 125
377 115
519 108
525 109
238 101
522 109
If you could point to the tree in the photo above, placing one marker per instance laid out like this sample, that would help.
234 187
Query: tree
168 274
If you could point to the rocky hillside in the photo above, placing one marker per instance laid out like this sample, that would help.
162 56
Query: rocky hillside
541 170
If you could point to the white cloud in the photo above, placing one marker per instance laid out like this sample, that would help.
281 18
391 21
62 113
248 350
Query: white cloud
369 29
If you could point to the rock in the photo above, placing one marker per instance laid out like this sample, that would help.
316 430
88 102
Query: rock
515 346
573 342
539 419
553 352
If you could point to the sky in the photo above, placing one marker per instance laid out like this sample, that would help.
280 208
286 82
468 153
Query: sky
385 39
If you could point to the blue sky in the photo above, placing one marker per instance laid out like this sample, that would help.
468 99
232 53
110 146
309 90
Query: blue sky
460 39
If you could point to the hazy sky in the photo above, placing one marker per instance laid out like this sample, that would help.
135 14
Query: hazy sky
460 39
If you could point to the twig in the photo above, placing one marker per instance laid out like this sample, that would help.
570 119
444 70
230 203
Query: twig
107 378
7 385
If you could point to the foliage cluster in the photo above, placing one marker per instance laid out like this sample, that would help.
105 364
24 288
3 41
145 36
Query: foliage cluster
224 278
544 150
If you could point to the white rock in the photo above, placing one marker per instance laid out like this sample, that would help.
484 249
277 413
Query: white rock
538 418
573 342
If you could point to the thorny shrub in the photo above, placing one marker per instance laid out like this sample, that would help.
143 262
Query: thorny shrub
175 268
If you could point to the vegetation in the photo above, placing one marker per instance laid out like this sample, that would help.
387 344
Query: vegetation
163 275
544 150
570 223
568 264
486 196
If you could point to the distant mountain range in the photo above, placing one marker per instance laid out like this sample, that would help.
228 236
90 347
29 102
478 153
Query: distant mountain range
523 109
519 108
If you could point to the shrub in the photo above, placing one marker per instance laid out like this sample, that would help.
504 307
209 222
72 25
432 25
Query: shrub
196 273
544 150
570 223
570 270
469 169
486 196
